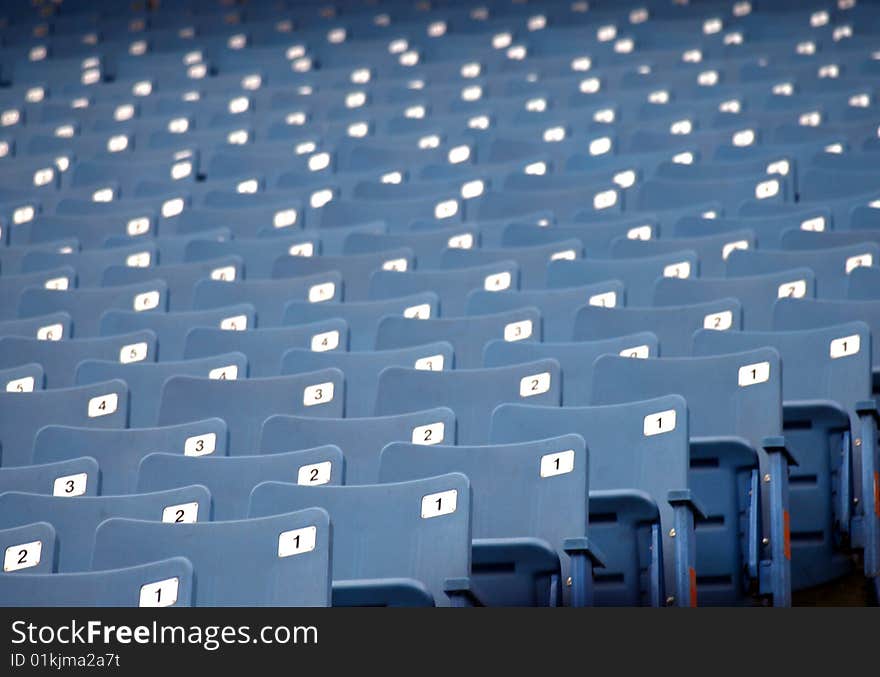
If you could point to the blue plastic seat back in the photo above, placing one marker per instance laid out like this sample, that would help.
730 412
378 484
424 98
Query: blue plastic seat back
22 379
86 306
533 489
418 530
74 477
673 325
472 393
737 394
29 548
166 582
362 369
712 250
230 479
172 329
119 452
13 286
637 447
75 519
428 245
825 363
575 358
51 327
245 404
864 284
452 286
265 348
756 293
557 306
363 317
268 296
356 269
99 405
146 379
638 275
832 266
532 260
467 335
61 358
90 264
282 560
595 237
180 277
791 314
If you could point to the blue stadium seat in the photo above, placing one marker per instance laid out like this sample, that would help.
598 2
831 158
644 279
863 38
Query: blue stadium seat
735 418
374 562
100 405
29 548
291 551
471 393
529 528
119 452
826 407
60 359
230 479
638 492
167 582
22 379
75 519
245 404
76 477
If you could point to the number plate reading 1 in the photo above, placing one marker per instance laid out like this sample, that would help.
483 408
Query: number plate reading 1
661 422
429 434
518 331
70 485
297 541
681 269
103 405
314 474
606 300
845 346
133 352
443 503
535 384
329 340
200 445
854 262
224 273
160 593
22 556
185 513
752 374
731 246
558 463
319 393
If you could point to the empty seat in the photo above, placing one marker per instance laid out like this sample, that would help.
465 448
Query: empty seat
638 492
28 548
529 514
282 560
230 479
471 393
735 414
119 452
156 584
74 477
245 404
75 519
100 405
411 548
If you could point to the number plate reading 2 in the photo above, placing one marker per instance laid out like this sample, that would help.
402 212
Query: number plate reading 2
314 474
185 513
22 556
535 384
429 434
